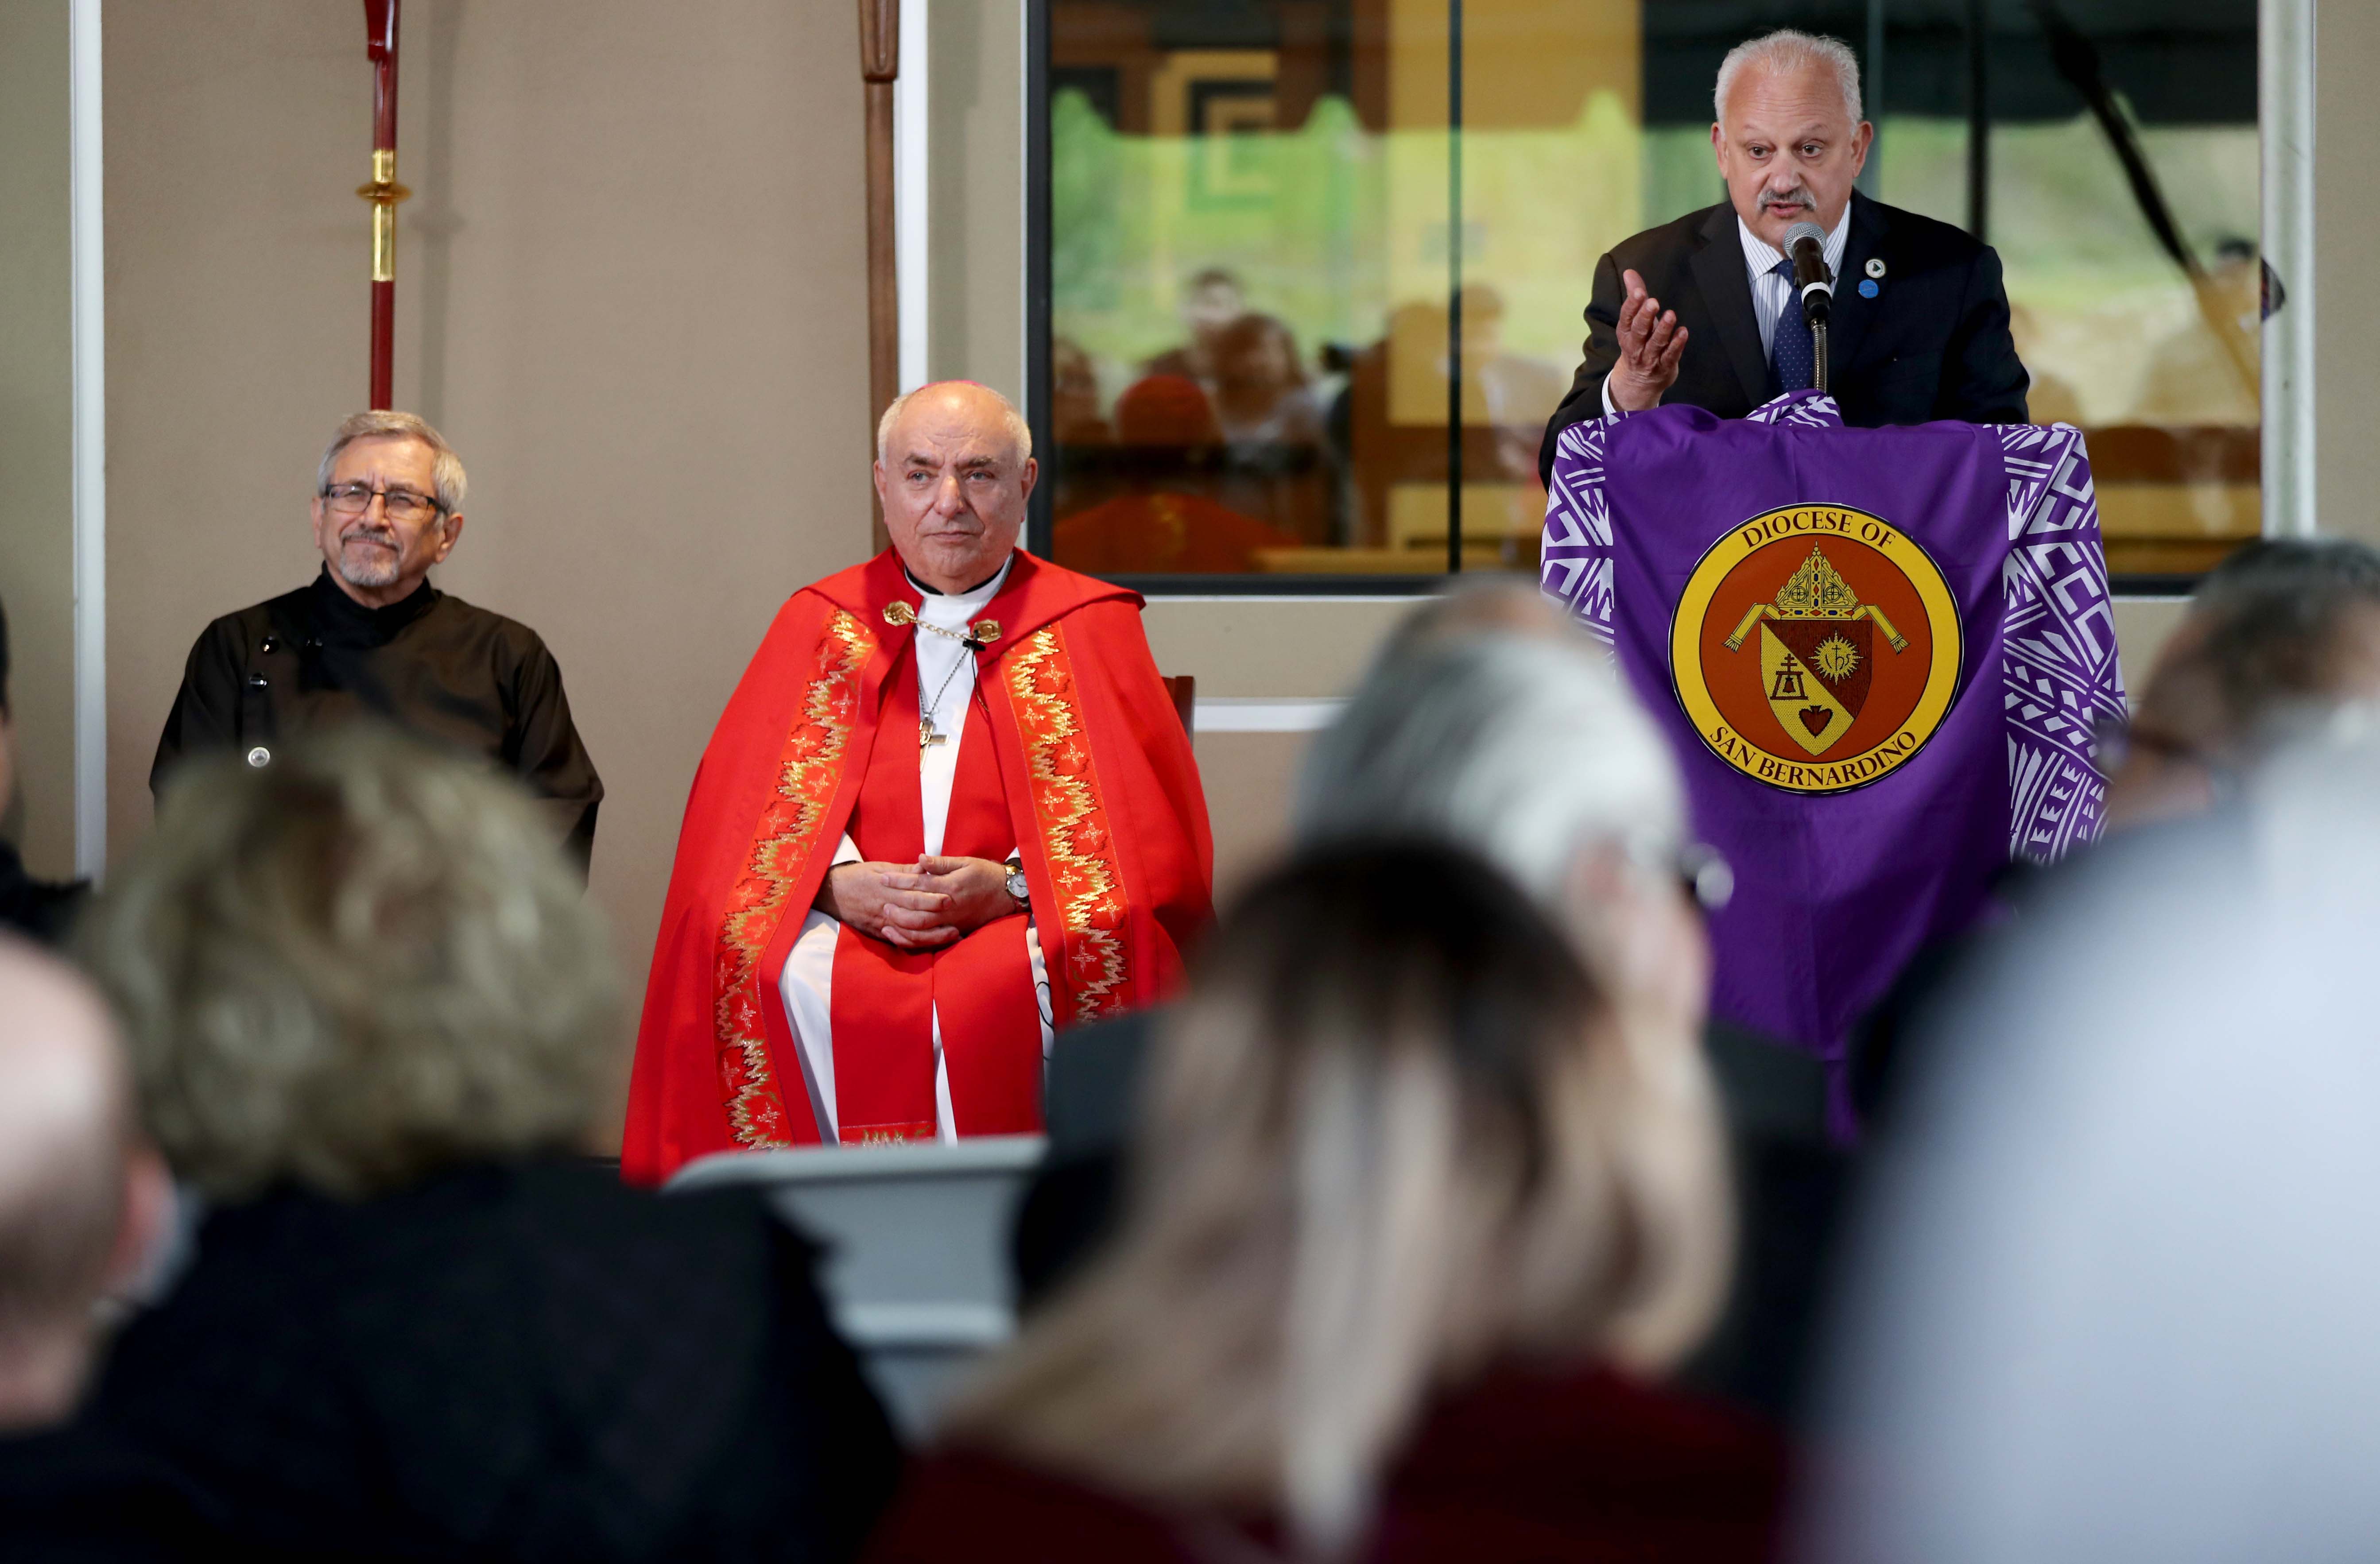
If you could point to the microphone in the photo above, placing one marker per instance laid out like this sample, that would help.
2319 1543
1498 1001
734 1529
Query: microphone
1806 243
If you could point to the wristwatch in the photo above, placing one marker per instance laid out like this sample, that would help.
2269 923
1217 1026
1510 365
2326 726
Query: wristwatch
1018 890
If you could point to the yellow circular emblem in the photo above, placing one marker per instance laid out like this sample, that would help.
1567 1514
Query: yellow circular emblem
1816 649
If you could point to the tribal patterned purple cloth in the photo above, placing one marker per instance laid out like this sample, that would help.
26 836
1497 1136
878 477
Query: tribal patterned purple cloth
1842 747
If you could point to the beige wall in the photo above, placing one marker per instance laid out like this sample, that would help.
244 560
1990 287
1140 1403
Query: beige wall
37 430
631 291
976 137
1253 647
2347 269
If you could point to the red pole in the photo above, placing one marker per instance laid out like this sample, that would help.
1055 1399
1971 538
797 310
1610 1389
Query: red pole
880 66
383 192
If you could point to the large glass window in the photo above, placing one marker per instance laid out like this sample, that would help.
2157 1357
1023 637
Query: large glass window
1309 273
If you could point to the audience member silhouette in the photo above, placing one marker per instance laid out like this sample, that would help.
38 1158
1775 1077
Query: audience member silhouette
2278 641
2276 635
1169 523
1212 300
1506 751
370 1016
2113 1299
85 1205
82 1197
1417 1215
1272 429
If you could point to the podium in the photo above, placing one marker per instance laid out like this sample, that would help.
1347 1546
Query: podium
1881 656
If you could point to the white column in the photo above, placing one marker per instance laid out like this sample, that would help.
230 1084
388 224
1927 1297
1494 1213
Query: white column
912 100
2285 96
87 225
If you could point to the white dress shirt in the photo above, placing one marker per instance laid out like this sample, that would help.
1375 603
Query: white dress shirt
1771 291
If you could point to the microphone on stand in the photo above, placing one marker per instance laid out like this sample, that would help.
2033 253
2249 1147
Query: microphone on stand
1806 243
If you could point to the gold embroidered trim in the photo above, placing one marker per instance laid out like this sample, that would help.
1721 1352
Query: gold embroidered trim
808 771
1074 821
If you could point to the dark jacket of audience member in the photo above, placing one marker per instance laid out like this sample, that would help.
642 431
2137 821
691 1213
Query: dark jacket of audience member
370 1014
1412 1230
511 1360
41 910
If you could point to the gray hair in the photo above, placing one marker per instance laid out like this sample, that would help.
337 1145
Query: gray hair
2278 635
446 468
362 962
1019 431
1524 748
1787 49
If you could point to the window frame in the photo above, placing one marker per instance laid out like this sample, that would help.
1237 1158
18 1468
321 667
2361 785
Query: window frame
2285 415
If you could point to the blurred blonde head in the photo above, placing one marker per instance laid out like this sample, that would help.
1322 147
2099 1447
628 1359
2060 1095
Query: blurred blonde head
354 966
1392 1137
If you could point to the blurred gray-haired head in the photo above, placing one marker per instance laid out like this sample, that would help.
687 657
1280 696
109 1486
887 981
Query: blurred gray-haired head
1523 747
2280 636
2113 1295
2290 623
359 964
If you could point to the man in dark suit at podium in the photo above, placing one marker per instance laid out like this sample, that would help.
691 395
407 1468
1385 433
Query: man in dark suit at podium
1919 326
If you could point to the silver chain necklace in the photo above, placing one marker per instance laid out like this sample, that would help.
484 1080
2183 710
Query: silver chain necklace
978 635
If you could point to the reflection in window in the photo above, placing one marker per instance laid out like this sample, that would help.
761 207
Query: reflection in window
1260 292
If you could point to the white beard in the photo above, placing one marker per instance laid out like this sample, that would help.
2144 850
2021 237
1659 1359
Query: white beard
373 567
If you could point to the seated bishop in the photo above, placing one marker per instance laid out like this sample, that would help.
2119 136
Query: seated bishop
949 810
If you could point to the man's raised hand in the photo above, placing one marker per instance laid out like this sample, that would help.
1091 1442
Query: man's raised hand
1651 342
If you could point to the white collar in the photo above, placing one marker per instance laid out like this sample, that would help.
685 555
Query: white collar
957 607
1761 257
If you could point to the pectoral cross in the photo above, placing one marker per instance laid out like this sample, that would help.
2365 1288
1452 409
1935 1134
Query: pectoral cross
926 736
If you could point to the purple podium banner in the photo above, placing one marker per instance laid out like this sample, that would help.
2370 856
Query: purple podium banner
1880 655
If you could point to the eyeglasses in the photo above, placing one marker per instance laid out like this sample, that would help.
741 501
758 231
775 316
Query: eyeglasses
397 504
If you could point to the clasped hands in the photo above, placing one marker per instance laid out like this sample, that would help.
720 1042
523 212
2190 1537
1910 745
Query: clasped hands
1651 342
917 906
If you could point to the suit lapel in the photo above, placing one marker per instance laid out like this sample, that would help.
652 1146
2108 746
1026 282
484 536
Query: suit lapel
1848 325
1719 272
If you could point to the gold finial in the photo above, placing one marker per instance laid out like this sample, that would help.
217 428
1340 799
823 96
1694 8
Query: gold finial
986 630
900 614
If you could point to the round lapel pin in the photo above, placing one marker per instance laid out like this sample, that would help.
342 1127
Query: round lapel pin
1875 266
1867 288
